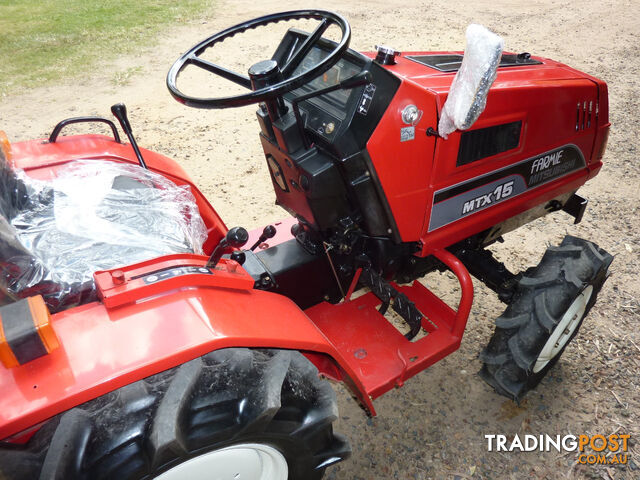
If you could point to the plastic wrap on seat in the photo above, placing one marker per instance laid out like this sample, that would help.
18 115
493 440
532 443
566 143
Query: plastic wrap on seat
95 215
470 87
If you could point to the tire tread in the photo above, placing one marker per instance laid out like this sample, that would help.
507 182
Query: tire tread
541 295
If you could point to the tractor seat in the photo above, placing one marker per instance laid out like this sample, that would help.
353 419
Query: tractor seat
95 215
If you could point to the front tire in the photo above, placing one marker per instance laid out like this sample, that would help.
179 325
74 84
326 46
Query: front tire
547 309
232 414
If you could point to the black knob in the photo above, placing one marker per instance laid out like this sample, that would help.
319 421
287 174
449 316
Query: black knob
236 237
119 111
296 229
264 73
268 232
239 257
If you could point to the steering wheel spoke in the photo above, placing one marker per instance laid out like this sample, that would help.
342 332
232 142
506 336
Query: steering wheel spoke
221 71
306 46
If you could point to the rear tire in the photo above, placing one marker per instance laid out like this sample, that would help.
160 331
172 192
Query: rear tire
546 311
265 411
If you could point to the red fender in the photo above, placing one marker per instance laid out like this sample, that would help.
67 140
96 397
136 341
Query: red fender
161 313
151 328
139 330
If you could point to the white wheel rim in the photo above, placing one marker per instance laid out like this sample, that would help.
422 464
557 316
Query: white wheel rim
246 461
563 331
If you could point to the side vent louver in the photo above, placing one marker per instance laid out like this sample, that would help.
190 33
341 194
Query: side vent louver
584 112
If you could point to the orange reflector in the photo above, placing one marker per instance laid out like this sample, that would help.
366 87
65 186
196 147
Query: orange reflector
42 321
25 331
5 146
7 357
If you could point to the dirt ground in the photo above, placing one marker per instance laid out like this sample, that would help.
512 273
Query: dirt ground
433 427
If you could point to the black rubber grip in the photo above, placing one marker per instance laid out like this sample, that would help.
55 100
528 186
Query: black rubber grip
20 332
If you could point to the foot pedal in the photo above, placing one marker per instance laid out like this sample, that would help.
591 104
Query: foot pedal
399 302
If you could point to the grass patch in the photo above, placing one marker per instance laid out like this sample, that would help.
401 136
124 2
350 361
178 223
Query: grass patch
123 77
42 41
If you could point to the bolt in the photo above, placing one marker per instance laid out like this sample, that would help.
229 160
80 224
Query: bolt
117 276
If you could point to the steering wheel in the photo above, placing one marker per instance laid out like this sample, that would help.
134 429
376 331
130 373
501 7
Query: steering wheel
260 93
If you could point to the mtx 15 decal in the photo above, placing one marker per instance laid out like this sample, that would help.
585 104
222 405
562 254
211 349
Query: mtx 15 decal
466 198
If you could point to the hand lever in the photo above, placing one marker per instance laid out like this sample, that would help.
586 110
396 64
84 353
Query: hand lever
268 232
120 112
235 238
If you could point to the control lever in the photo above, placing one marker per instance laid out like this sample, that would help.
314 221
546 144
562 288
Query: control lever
120 112
361 78
268 232
235 238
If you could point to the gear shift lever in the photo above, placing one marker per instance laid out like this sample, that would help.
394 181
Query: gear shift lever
268 232
120 112
235 238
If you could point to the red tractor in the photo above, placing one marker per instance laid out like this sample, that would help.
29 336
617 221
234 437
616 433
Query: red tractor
208 359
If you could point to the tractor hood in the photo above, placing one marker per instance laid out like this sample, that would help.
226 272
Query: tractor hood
550 103
435 71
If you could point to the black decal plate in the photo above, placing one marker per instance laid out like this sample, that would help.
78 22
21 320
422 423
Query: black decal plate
175 272
466 198
366 99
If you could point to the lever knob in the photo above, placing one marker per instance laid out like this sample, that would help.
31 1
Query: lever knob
119 110
236 237
268 232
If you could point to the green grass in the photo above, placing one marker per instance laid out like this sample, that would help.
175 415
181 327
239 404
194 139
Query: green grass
42 41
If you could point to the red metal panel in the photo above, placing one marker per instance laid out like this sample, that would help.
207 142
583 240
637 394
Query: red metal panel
149 330
404 168
103 349
463 228
544 97
131 284
381 357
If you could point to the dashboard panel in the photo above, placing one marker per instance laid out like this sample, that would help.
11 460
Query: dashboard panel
340 71
324 115
321 170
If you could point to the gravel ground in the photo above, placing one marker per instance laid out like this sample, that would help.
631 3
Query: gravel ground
434 426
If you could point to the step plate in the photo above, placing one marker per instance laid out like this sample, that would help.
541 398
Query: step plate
375 349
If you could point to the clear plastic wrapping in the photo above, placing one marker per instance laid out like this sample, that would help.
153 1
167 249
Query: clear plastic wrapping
95 215
470 87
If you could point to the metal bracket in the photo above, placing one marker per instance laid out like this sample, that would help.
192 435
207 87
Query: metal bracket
488 270
401 303
575 206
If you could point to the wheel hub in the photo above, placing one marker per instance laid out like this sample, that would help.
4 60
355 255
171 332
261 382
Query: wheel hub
564 330
246 461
